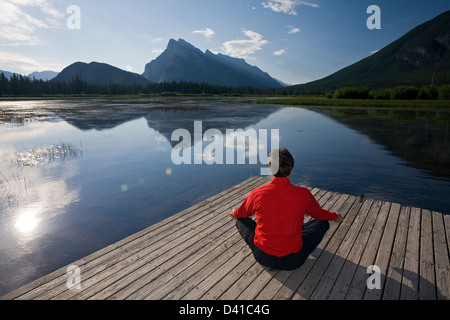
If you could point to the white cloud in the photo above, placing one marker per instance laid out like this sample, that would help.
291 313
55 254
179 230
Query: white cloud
18 26
287 6
157 40
244 48
293 30
207 33
19 63
157 51
279 52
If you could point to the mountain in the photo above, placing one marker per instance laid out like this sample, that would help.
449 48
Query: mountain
420 57
43 75
181 61
7 74
100 74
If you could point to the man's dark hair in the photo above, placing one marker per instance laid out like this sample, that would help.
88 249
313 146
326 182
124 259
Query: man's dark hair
285 163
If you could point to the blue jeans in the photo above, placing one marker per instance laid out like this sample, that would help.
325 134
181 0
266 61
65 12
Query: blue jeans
312 234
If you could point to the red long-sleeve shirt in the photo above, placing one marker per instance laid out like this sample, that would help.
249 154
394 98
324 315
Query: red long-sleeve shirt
280 208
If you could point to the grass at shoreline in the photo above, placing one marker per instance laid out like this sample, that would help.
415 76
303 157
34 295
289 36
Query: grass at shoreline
326 102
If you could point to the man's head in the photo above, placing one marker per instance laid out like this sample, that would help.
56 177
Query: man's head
281 163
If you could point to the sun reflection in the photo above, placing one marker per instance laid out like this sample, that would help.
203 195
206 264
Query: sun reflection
27 220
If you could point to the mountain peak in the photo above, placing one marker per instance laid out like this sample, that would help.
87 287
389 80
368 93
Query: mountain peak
43 75
99 73
181 61
180 45
185 43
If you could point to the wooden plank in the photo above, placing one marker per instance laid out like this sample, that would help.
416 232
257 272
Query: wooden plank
255 287
447 237
352 263
384 251
307 287
243 282
352 286
166 272
231 278
447 231
395 270
217 275
137 284
297 277
217 269
274 285
198 280
178 285
441 257
410 277
142 260
427 281
362 224
121 274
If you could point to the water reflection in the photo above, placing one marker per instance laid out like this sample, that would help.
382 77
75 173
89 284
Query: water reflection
32 201
27 220
419 137
56 212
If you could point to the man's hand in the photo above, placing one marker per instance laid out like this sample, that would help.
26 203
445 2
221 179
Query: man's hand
339 219
231 213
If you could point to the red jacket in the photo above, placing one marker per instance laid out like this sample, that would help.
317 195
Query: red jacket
280 208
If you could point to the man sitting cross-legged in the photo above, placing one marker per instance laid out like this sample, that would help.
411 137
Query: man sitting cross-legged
279 239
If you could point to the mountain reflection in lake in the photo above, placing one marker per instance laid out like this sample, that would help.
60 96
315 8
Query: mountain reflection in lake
122 179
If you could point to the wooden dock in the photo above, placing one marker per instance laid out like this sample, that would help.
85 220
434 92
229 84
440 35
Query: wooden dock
198 254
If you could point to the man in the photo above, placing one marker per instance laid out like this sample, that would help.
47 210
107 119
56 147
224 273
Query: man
279 239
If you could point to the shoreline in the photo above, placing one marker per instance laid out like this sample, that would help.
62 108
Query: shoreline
259 99
357 103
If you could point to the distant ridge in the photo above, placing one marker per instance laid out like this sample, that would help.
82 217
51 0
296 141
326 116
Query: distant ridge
100 74
7 74
421 57
181 61
43 75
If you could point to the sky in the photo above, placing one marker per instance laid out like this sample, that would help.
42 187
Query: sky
294 41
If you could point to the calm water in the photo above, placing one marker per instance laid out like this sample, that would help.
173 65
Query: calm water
114 175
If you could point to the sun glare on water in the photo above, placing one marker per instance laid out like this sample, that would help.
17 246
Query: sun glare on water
27 221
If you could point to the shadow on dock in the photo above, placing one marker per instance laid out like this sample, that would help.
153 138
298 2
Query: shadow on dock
199 255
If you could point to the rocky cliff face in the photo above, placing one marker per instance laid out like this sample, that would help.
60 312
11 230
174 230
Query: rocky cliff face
181 61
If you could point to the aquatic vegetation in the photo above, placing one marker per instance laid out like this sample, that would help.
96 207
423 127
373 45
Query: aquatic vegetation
12 189
49 153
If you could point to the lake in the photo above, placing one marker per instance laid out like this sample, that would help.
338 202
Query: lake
78 175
